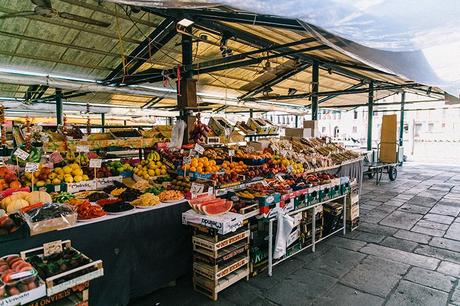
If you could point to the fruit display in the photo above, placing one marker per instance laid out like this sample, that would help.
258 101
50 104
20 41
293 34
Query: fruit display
215 153
253 158
117 167
98 195
71 173
150 168
227 178
22 199
48 211
8 179
200 131
237 167
147 199
117 207
68 259
171 195
211 206
181 183
117 191
202 165
9 223
155 190
88 211
62 197
17 275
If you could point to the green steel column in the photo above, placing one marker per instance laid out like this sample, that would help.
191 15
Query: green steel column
59 111
251 113
314 90
103 122
370 115
401 123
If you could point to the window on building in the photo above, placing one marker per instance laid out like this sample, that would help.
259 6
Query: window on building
355 115
323 130
430 127
355 129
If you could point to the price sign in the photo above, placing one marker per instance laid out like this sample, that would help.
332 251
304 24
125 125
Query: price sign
52 247
82 149
196 188
199 148
231 153
290 169
95 163
192 153
21 154
56 157
187 160
210 190
31 167
279 177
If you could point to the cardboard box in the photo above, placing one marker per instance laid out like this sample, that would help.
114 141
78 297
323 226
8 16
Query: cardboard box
259 145
298 133
313 126
224 224
220 126
262 126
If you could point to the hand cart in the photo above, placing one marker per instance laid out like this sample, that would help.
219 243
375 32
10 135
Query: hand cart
377 168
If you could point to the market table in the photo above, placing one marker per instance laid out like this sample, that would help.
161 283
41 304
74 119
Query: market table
141 251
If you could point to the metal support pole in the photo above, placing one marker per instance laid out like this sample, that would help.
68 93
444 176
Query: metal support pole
370 115
103 122
59 110
124 122
251 113
401 123
313 229
270 247
314 90
345 215
296 121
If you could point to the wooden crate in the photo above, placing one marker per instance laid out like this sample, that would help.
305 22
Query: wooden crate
202 241
54 284
211 288
223 255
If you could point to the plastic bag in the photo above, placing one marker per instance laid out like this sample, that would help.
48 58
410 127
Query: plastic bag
177 135
285 226
50 217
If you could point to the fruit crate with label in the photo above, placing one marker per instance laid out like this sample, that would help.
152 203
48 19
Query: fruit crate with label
219 260
353 206
74 267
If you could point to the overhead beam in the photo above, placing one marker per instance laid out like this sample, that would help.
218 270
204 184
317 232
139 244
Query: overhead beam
339 92
278 79
325 99
59 109
144 51
152 102
381 104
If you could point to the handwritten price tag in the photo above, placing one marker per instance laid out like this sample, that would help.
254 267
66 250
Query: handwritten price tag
56 157
187 160
196 188
199 148
82 149
52 247
31 167
95 163
231 153
21 154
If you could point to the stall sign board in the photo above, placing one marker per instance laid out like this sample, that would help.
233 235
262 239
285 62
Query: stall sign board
81 186
52 247
199 148
21 154
31 167
95 163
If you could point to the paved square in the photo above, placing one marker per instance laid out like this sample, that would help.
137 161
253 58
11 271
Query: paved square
405 252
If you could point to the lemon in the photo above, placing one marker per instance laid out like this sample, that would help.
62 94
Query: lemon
85 177
67 169
77 172
163 171
158 171
56 181
68 179
151 172
78 178
74 166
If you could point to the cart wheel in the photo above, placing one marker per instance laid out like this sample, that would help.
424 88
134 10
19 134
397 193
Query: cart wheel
393 173
370 174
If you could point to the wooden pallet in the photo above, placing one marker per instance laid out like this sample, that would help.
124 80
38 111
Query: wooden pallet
204 242
223 255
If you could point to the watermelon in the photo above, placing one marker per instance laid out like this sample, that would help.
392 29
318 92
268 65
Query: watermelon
218 208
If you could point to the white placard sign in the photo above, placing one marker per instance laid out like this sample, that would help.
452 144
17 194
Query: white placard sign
231 153
199 148
31 167
82 148
290 168
95 163
21 154
81 186
52 247
187 160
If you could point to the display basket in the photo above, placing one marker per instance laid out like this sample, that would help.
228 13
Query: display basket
63 281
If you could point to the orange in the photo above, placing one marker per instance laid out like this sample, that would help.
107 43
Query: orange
15 185
193 169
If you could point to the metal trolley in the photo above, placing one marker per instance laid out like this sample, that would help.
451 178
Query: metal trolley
375 167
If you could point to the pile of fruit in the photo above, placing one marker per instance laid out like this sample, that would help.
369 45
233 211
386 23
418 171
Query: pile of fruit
117 167
17 275
202 165
71 173
23 199
151 167
8 224
211 206
226 178
88 211
8 179
181 183
215 153
238 167
147 199
200 131
171 195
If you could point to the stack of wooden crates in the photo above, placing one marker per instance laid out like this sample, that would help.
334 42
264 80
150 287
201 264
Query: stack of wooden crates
219 260
353 206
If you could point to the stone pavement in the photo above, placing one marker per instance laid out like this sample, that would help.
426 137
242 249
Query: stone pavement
405 252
